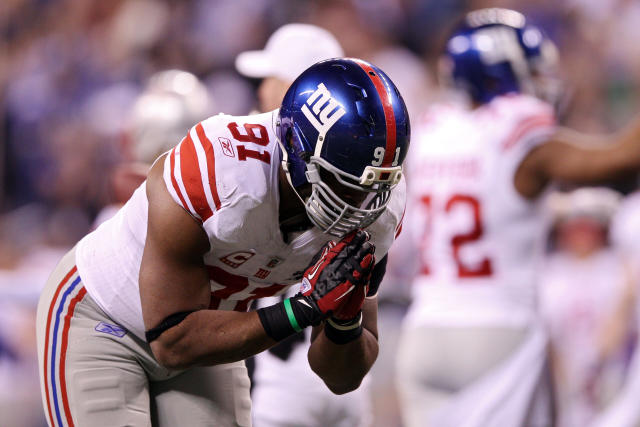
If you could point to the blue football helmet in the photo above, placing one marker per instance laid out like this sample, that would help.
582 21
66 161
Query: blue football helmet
344 129
495 51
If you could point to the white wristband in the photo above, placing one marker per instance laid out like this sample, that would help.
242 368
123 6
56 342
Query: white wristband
354 324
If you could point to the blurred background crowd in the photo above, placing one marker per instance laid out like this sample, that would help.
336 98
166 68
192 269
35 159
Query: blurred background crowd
71 71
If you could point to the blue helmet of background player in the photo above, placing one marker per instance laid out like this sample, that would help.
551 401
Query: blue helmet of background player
495 51
344 129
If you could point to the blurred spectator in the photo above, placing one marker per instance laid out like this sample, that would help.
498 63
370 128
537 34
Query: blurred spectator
59 54
33 240
171 102
588 300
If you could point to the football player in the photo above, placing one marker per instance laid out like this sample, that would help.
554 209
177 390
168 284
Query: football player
588 304
472 352
282 374
145 321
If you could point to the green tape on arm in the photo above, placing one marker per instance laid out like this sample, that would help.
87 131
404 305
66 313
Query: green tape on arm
292 317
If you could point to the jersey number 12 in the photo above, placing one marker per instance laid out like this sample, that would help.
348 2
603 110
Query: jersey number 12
471 204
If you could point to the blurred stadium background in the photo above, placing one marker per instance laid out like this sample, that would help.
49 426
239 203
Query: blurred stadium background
70 71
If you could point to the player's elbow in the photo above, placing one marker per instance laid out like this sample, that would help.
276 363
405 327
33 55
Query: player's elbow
170 355
172 351
343 382
345 387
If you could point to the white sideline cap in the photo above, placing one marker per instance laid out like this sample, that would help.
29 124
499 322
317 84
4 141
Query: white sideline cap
290 50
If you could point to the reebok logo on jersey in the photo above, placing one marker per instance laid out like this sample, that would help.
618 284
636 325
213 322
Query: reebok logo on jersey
115 330
322 105
227 148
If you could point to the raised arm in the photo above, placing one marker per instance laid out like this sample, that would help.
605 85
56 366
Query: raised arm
175 292
572 157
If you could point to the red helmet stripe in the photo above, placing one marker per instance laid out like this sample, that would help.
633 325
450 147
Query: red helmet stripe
389 116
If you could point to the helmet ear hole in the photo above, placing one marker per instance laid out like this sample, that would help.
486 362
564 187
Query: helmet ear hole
288 138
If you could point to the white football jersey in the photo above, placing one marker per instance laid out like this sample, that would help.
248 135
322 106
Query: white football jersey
225 174
578 299
475 235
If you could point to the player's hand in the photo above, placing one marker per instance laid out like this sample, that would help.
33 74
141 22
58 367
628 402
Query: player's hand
337 279
335 283
352 306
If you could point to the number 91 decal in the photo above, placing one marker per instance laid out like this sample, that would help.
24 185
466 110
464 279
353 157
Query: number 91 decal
378 155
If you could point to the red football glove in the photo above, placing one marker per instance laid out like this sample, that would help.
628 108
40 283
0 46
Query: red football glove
337 279
353 305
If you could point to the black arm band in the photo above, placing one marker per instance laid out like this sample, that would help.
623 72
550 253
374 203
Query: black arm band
169 322
343 332
275 322
288 317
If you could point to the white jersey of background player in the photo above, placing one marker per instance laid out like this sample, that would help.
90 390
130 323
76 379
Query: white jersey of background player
475 232
282 374
470 353
588 303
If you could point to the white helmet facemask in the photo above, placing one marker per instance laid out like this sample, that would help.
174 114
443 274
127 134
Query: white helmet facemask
332 213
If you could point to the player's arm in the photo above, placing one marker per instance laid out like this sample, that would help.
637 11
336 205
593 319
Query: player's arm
175 292
342 356
569 156
343 366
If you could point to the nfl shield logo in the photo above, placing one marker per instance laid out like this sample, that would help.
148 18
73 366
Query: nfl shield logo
305 286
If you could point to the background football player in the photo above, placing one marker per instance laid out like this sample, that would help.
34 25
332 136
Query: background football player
282 374
145 320
472 351
588 304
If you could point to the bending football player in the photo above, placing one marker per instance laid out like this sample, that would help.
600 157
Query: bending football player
145 321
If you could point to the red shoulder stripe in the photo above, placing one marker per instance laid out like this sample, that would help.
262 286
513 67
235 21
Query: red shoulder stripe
211 163
192 179
176 188
525 126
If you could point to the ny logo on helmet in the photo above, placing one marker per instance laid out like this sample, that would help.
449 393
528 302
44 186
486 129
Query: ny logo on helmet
323 107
